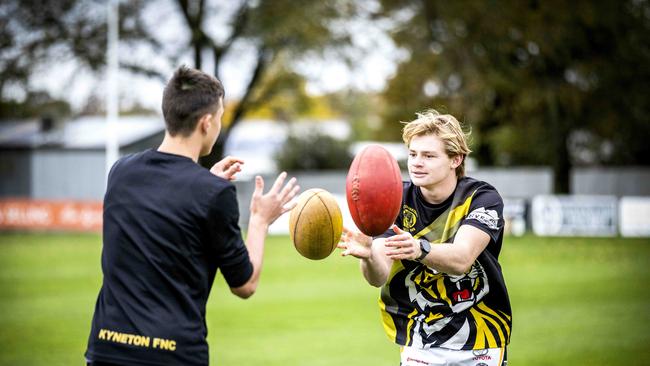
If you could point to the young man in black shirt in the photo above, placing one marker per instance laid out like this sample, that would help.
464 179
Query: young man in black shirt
169 225
443 296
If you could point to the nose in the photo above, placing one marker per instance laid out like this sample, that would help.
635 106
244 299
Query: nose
415 161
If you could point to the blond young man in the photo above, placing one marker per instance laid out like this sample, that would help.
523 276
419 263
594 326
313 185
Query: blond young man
443 296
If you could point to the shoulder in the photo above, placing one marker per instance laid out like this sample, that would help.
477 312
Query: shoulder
211 184
409 193
126 162
480 189
408 186
475 183
220 195
211 195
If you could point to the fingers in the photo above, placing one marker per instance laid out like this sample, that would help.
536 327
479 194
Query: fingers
400 235
229 161
346 249
348 231
400 249
232 170
259 186
355 252
289 206
397 242
227 167
400 253
285 194
294 192
278 182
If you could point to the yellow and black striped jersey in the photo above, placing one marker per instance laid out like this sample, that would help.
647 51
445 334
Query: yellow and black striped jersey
424 308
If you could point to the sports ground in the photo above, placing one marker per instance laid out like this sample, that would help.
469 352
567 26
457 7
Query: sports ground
576 301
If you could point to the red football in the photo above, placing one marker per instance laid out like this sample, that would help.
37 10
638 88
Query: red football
374 190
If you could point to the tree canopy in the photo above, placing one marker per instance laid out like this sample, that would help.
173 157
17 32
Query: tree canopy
539 82
276 32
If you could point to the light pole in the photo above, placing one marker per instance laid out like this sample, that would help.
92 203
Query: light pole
112 69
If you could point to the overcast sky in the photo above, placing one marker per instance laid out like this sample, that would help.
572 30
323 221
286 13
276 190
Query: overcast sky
374 51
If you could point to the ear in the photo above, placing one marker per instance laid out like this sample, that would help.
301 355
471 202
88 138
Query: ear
204 123
456 161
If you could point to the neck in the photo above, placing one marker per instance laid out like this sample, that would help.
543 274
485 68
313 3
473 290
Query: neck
183 146
440 192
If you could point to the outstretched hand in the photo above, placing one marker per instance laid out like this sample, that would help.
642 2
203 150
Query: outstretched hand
277 201
356 244
402 245
227 167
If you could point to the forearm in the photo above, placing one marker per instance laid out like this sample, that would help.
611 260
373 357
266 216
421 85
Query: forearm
447 258
256 236
376 267
457 258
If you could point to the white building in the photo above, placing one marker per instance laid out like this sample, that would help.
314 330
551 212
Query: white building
69 162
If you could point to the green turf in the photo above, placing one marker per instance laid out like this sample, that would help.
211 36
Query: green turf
575 302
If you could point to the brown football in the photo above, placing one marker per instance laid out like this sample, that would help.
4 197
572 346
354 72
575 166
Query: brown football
315 224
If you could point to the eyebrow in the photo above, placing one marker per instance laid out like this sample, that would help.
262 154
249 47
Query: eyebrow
423 152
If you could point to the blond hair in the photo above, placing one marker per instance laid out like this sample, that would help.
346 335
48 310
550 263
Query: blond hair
446 127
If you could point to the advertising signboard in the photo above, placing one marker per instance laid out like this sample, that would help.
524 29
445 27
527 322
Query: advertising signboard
557 215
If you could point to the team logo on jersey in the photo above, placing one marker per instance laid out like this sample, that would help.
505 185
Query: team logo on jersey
439 293
435 296
410 216
489 218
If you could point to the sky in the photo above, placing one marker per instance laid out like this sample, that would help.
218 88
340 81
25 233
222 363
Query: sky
376 58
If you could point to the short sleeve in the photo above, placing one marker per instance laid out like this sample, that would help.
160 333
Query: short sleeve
226 242
486 212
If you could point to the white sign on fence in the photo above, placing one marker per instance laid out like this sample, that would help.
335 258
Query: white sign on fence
575 215
634 213
514 214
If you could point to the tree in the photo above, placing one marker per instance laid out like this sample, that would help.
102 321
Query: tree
35 105
276 32
42 34
531 77
314 151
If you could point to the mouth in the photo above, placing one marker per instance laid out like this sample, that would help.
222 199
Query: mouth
418 174
463 293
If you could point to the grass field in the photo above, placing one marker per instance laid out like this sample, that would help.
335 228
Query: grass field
575 302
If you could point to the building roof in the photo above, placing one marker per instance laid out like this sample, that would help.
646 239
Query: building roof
88 132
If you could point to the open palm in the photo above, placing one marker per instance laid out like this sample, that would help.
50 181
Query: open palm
355 243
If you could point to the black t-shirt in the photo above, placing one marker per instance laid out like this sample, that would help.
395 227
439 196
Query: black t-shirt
169 224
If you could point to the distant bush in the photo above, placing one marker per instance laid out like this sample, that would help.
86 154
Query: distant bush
314 151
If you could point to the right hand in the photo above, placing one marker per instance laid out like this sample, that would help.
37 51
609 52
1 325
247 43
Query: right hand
356 244
268 207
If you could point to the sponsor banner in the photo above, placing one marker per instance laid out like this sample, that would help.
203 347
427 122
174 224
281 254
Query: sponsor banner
514 215
575 215
634 213
26 214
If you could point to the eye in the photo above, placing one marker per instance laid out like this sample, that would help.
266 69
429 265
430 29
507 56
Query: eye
412 154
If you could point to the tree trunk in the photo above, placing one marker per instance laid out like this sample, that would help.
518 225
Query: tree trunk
559 134
263 59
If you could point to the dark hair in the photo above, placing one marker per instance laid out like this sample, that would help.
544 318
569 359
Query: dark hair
189 94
